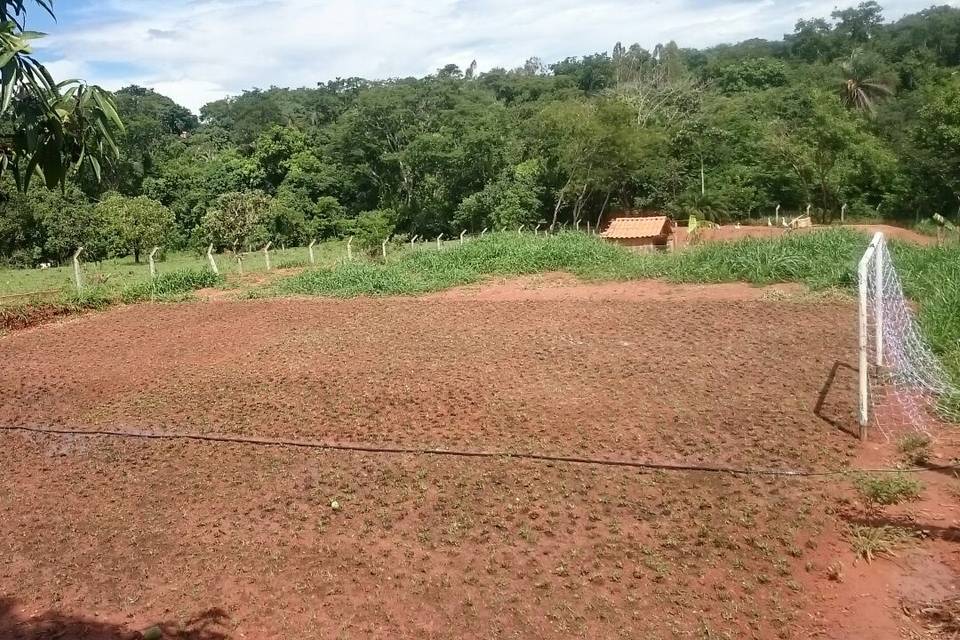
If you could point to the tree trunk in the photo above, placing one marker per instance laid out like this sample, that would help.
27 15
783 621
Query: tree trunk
703 178
579 206
556 209
136 256
603 208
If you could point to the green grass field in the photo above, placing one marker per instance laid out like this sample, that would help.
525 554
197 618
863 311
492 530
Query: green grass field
116 274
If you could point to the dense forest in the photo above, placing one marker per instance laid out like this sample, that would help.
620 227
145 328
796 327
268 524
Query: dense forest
847 110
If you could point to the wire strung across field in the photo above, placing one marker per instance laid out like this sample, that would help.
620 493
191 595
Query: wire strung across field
538 457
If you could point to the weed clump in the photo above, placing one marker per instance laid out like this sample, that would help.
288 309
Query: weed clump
870 542
915 449
889 489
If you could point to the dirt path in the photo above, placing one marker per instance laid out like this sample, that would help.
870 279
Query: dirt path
214 540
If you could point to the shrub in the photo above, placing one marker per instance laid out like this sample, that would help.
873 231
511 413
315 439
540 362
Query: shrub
888 489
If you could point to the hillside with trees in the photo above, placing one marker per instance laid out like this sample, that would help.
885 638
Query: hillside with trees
848 109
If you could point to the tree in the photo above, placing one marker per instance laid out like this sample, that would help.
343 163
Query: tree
858 24
860 90
234 219
136 225
55 127
371 228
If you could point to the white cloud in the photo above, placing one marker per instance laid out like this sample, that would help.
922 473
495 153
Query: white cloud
200 50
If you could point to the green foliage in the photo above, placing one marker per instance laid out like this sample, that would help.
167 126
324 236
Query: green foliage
236 219
750 74
135 225
888 489
371 228
54 128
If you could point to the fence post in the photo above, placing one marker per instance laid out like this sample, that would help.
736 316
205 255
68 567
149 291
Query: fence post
213 263
439 238
588 227
313 260
484 232
76 270
809 206
350 248
520 230
266 254
777 218
864 363
240 263
878 311
383 248
843 214
153 264
413 242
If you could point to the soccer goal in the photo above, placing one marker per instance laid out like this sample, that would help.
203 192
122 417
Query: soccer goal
903 385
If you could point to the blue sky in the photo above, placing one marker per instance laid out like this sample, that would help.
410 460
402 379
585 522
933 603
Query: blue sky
196 51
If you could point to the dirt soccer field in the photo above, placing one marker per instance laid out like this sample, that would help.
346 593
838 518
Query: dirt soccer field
102 536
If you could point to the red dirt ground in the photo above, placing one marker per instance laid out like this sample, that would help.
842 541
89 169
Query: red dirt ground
102 536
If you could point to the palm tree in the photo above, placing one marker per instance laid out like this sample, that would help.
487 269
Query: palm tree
861 90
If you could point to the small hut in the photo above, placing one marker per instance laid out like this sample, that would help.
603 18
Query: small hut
651 233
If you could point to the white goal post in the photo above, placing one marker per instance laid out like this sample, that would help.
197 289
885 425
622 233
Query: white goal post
903 385
870 265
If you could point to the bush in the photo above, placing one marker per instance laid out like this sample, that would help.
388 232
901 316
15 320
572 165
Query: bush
885 490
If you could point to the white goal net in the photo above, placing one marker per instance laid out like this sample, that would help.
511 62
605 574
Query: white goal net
903 386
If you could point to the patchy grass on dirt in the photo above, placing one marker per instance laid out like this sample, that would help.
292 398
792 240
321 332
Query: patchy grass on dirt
823 261
888 489
870 542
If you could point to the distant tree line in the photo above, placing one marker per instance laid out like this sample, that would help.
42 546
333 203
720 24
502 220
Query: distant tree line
847 110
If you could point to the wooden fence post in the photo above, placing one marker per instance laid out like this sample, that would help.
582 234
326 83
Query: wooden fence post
213 263
76 270
350 248
153 264
777 218
843 214
266 254
383 248
462 233
484 232
439 239
313 260
413 241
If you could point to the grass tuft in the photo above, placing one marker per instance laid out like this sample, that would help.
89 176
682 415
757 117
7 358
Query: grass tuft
888 489
871 542
915 449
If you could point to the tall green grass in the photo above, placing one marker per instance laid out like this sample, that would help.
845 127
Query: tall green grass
170 285
826 259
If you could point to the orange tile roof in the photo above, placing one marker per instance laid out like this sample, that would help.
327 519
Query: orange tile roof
638 227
